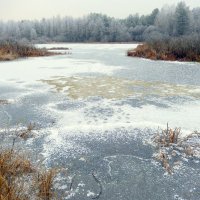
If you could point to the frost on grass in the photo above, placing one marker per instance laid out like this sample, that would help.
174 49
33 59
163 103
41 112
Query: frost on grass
20 177
173 149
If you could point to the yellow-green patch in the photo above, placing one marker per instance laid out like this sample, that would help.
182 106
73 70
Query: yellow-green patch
117 88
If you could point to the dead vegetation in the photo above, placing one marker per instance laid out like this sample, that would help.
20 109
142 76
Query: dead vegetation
145 51
100 186
13 168
59 48
20 179
17 178
173 148
45 184
27 132
168 137
163 158
178 49
142 51
10 50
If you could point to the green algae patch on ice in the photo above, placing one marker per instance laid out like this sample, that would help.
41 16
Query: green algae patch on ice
118 88
83 87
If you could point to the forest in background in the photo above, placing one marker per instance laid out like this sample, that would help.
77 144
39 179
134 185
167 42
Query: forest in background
170 21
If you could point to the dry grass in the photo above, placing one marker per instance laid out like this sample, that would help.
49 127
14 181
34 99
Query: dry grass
45 184
13 50
156 52
27 133
13 167
17 179
4 56
59 48
163 158
172 147
143 51
168 137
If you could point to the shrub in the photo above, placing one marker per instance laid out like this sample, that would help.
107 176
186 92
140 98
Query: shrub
10 50
185 48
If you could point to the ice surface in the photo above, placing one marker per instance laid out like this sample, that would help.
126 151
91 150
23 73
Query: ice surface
95 109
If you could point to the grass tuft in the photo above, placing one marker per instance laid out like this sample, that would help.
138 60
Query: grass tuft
27 133
45 184
173 148
168 137
12 169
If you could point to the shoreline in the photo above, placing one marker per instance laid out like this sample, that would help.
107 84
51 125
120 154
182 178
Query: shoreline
11 57
11 52
145 51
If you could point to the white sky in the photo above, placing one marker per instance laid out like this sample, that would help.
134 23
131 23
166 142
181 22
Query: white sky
36 9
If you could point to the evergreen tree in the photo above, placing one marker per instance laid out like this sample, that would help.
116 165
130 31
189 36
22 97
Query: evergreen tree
182 19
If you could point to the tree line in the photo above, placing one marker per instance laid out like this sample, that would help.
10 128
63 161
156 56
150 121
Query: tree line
169 21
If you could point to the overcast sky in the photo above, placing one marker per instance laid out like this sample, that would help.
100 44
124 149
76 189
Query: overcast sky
36 9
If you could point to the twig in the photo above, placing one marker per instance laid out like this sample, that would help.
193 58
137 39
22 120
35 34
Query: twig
100 185
72 182
13 144
71 185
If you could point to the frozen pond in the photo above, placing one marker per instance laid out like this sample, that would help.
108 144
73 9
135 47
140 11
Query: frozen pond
96 111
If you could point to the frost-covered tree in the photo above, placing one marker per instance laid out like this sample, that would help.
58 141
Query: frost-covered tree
170 21
132 20
33 34
182 19
151 18
138 31
165 20
195 20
